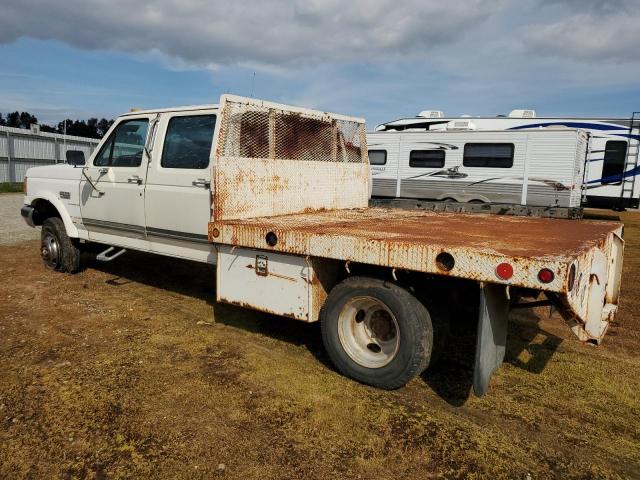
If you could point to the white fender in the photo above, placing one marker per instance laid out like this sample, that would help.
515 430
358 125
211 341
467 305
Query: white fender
69 226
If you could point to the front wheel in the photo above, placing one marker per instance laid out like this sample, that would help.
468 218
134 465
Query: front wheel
57 250
376 332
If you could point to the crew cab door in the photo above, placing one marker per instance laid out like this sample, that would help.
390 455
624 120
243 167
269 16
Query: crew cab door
178 191
112 186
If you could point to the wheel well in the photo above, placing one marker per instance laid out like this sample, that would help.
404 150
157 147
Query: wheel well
419 283
43 210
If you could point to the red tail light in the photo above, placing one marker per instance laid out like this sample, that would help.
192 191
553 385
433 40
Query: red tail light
504 271
546 276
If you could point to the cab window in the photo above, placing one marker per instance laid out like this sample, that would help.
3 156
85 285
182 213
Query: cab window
187 143
125 145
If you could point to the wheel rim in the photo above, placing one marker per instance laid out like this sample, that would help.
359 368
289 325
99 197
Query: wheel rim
368 332
49 251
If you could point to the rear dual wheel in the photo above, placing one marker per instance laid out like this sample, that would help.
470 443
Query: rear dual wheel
376 332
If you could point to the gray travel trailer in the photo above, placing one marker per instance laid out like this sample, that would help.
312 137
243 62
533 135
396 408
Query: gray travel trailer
612 161
535 168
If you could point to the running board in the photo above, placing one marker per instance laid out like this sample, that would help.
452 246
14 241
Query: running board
105 257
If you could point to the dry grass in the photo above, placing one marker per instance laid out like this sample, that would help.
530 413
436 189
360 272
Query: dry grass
107 374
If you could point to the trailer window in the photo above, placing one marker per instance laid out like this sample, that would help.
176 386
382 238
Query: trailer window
377 157
488 155
426 158
615 154
124 147
187 143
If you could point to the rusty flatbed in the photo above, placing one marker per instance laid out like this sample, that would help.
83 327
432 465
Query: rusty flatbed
498 235
412 240
290 211
476 244
295 182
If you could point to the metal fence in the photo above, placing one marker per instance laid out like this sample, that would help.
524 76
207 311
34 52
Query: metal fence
22 149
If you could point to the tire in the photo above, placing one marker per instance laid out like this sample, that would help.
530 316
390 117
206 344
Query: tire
376 332
58 251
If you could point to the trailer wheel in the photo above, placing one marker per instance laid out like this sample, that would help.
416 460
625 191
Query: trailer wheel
57 250
376 332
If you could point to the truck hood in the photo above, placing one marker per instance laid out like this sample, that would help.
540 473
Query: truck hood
60 171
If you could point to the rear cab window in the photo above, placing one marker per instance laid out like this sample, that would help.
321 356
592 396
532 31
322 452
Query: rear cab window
187 142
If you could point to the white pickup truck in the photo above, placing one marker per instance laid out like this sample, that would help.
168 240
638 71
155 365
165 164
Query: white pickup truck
277 197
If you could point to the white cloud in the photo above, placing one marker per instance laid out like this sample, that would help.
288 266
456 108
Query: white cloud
270 32
611 35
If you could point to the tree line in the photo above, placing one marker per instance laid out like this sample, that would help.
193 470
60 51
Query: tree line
92 128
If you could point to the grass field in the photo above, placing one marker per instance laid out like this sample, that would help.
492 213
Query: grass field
10 187
129 370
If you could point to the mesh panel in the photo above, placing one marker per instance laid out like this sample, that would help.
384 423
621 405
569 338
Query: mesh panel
253 131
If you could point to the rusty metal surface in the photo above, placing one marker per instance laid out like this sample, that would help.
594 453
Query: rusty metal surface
412 240
273 159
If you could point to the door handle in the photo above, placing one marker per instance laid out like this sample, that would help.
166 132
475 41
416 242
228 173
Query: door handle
135 179
201 182
103 171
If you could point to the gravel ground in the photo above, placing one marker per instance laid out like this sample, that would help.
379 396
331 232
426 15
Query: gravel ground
12 226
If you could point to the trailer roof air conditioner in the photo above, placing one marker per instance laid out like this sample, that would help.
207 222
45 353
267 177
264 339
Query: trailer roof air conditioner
461 125
431 114
520 113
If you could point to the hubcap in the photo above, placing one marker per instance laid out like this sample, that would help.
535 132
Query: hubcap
368 332
49 251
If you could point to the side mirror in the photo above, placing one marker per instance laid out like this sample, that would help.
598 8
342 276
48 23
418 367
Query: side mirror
75 157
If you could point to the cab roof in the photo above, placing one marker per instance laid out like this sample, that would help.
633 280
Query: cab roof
186 108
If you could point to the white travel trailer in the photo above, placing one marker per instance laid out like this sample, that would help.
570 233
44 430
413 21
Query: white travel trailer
539 168
612 162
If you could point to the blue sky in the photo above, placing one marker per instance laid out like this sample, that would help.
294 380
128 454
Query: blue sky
379 59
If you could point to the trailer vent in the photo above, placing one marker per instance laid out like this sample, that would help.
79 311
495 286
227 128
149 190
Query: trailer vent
431 114
520 113
461 125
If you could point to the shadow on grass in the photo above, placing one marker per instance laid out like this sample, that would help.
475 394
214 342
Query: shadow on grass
450 377
197 280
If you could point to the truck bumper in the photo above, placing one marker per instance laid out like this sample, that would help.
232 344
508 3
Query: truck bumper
27 212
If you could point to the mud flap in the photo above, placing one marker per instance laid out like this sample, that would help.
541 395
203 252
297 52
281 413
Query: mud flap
492 335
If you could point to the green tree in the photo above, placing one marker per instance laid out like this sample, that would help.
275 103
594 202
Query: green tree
13 119
26 119
103 126
48 128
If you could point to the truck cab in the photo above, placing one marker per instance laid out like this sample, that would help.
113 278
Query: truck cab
145 187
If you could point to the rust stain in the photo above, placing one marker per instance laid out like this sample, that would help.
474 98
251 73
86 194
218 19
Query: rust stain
272 274
510 236
263 309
